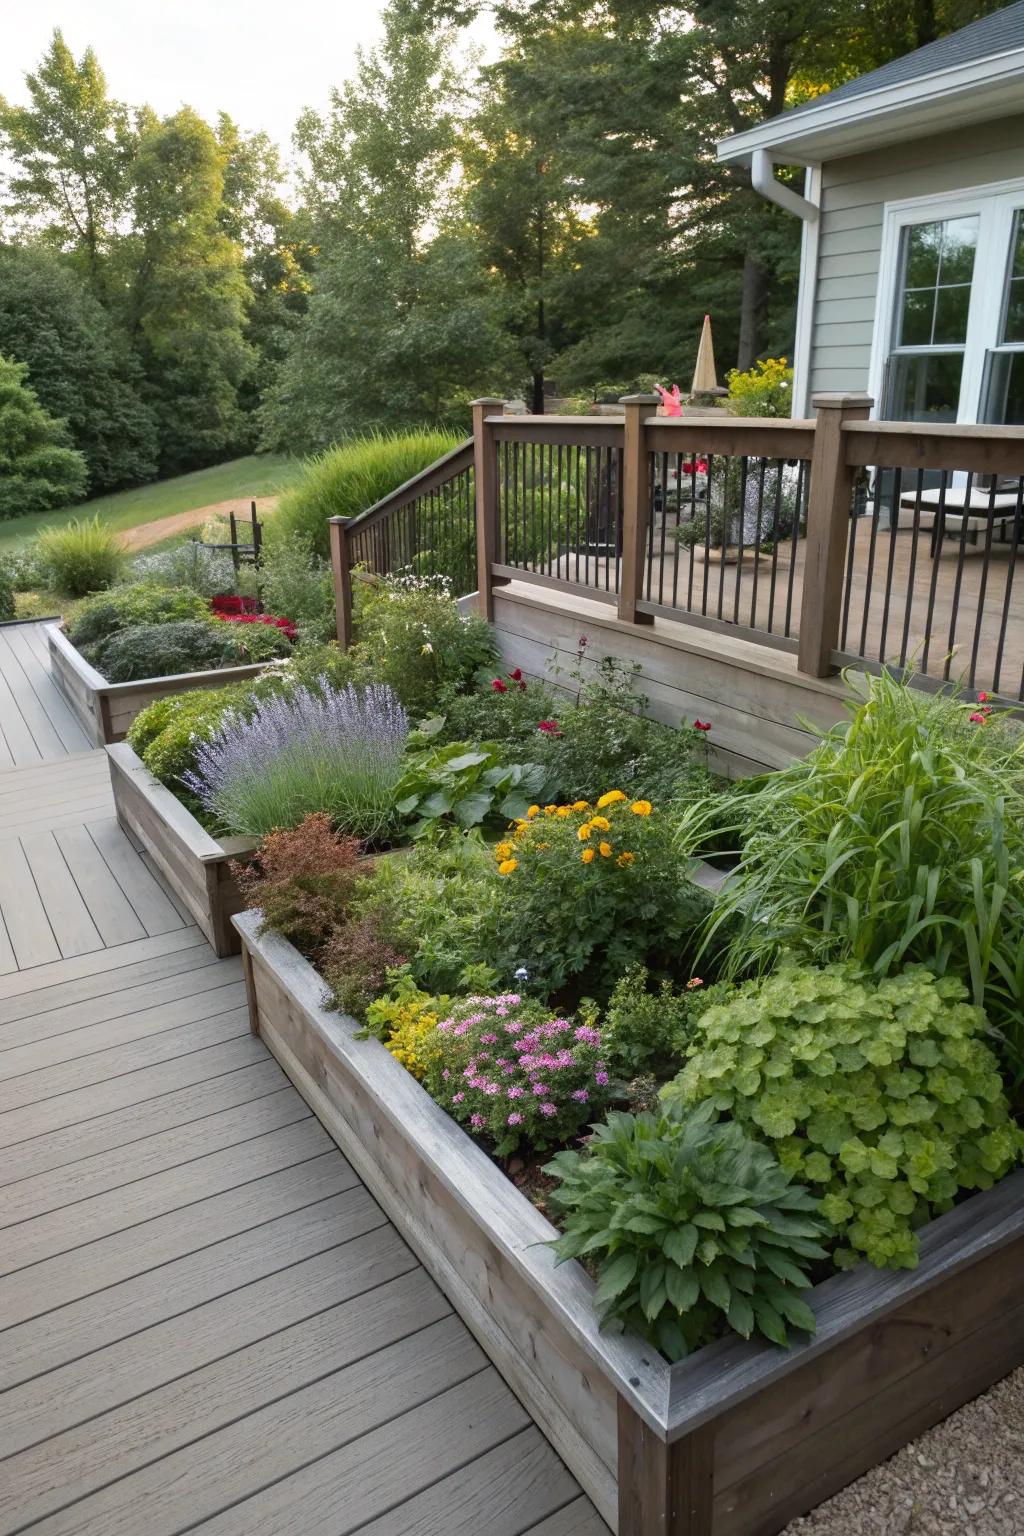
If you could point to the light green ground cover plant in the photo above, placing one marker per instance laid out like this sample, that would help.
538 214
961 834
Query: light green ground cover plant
898 840
881 1095
692 1225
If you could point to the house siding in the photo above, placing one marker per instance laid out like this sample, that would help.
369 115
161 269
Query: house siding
854 193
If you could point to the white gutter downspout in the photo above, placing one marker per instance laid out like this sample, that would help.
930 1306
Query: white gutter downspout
806 208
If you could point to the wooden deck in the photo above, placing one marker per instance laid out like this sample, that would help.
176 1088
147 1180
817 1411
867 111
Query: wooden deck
206 1322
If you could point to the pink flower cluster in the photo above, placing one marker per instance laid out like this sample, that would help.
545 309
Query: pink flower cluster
510 1069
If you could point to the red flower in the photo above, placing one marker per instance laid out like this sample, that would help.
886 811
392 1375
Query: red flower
549 727
499 686
583 642
982 698
979 717
517 675
698 465
286 626
702 725
228 602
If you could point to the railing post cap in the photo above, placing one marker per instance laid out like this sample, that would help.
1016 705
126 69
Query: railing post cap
835 400
341 521
488 400
639 399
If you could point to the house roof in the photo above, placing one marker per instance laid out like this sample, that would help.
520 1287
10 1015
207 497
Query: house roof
968 76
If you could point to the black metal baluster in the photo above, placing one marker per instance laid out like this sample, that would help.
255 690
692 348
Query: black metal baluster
958 582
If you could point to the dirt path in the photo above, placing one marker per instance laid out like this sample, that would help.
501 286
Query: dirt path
154 533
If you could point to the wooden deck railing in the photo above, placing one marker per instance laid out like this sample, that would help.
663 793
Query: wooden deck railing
840 539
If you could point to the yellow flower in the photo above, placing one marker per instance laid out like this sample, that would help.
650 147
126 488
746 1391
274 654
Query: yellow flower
624 859
563 810
549 810
605 850
611 798
601 823
584 832
581 805
507 866
587 855
641 807
532 811
502 851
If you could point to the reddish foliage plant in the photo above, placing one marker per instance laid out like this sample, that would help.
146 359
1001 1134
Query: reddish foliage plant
304 881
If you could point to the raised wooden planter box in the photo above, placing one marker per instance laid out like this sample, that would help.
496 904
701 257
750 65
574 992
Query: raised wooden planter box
195 865
106 710
737 1440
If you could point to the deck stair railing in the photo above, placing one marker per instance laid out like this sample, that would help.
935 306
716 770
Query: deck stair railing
840 539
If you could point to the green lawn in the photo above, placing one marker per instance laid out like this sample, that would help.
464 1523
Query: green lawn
257 475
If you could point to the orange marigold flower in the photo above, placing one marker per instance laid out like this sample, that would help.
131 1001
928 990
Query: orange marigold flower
503 851
581 805
549 810
587 855
563 810
507 866
584 832
532 811
605 850
624 859
611 798
601 823
641 807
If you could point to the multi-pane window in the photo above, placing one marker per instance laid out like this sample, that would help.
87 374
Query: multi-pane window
1004 385
933 305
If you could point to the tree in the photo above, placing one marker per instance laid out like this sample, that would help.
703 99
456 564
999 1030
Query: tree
38 468
71 150
79 364
186 294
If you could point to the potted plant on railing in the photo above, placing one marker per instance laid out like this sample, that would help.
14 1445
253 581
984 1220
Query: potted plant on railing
750 513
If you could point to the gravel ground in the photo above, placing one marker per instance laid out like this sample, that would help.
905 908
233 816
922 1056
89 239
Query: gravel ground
965 1477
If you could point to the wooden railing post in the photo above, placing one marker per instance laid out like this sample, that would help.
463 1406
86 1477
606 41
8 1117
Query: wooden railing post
636 505
828 523
342 572
485 472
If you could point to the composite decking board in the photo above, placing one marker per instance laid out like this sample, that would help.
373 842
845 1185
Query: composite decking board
155 910
184 1411
220 1471
231 1168
103 987
576 1519
150 1082
94 809
125 1372
195 1024
29 1199
81 1029
44 733
73 928
122 1128
38 674
359 1482
18 739
38 988
113 913
28 927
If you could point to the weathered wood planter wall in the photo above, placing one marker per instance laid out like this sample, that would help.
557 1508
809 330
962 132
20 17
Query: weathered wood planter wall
106 710
735 1441
197 866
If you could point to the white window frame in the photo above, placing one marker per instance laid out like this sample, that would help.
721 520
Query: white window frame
995 204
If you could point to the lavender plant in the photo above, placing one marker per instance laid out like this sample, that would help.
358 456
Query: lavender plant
323 749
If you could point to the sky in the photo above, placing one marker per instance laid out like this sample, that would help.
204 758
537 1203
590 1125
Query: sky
261 62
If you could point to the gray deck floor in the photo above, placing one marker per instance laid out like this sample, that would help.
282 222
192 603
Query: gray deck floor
206 1322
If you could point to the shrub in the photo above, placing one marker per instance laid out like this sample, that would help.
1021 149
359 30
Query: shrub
510 715
338 752
348 479
764 390
405 1020
22 568
8 607
295 581
437 905
881 1095
249 625
192 565
692 1224
898 839
162 650
589 891
168 732
646 1033
356 963
413 637
83 556
467 783
108 613
303 880
507 1069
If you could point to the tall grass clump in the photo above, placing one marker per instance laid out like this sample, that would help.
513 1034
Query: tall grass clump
83 556
346 480
329 750
898 840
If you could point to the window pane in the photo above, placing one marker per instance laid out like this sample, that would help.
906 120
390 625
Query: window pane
925 387
1013 330
1005 400
924 242
916 324
1018 245
951 305
959 240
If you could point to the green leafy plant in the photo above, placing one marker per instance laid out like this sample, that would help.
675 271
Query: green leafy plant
83 556
899 839
764 390
647 1031
296 581
7 603
188 645
39 468
209 572
125 607
881 1095
168 732
465 783
412 635
509 715
692 1225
